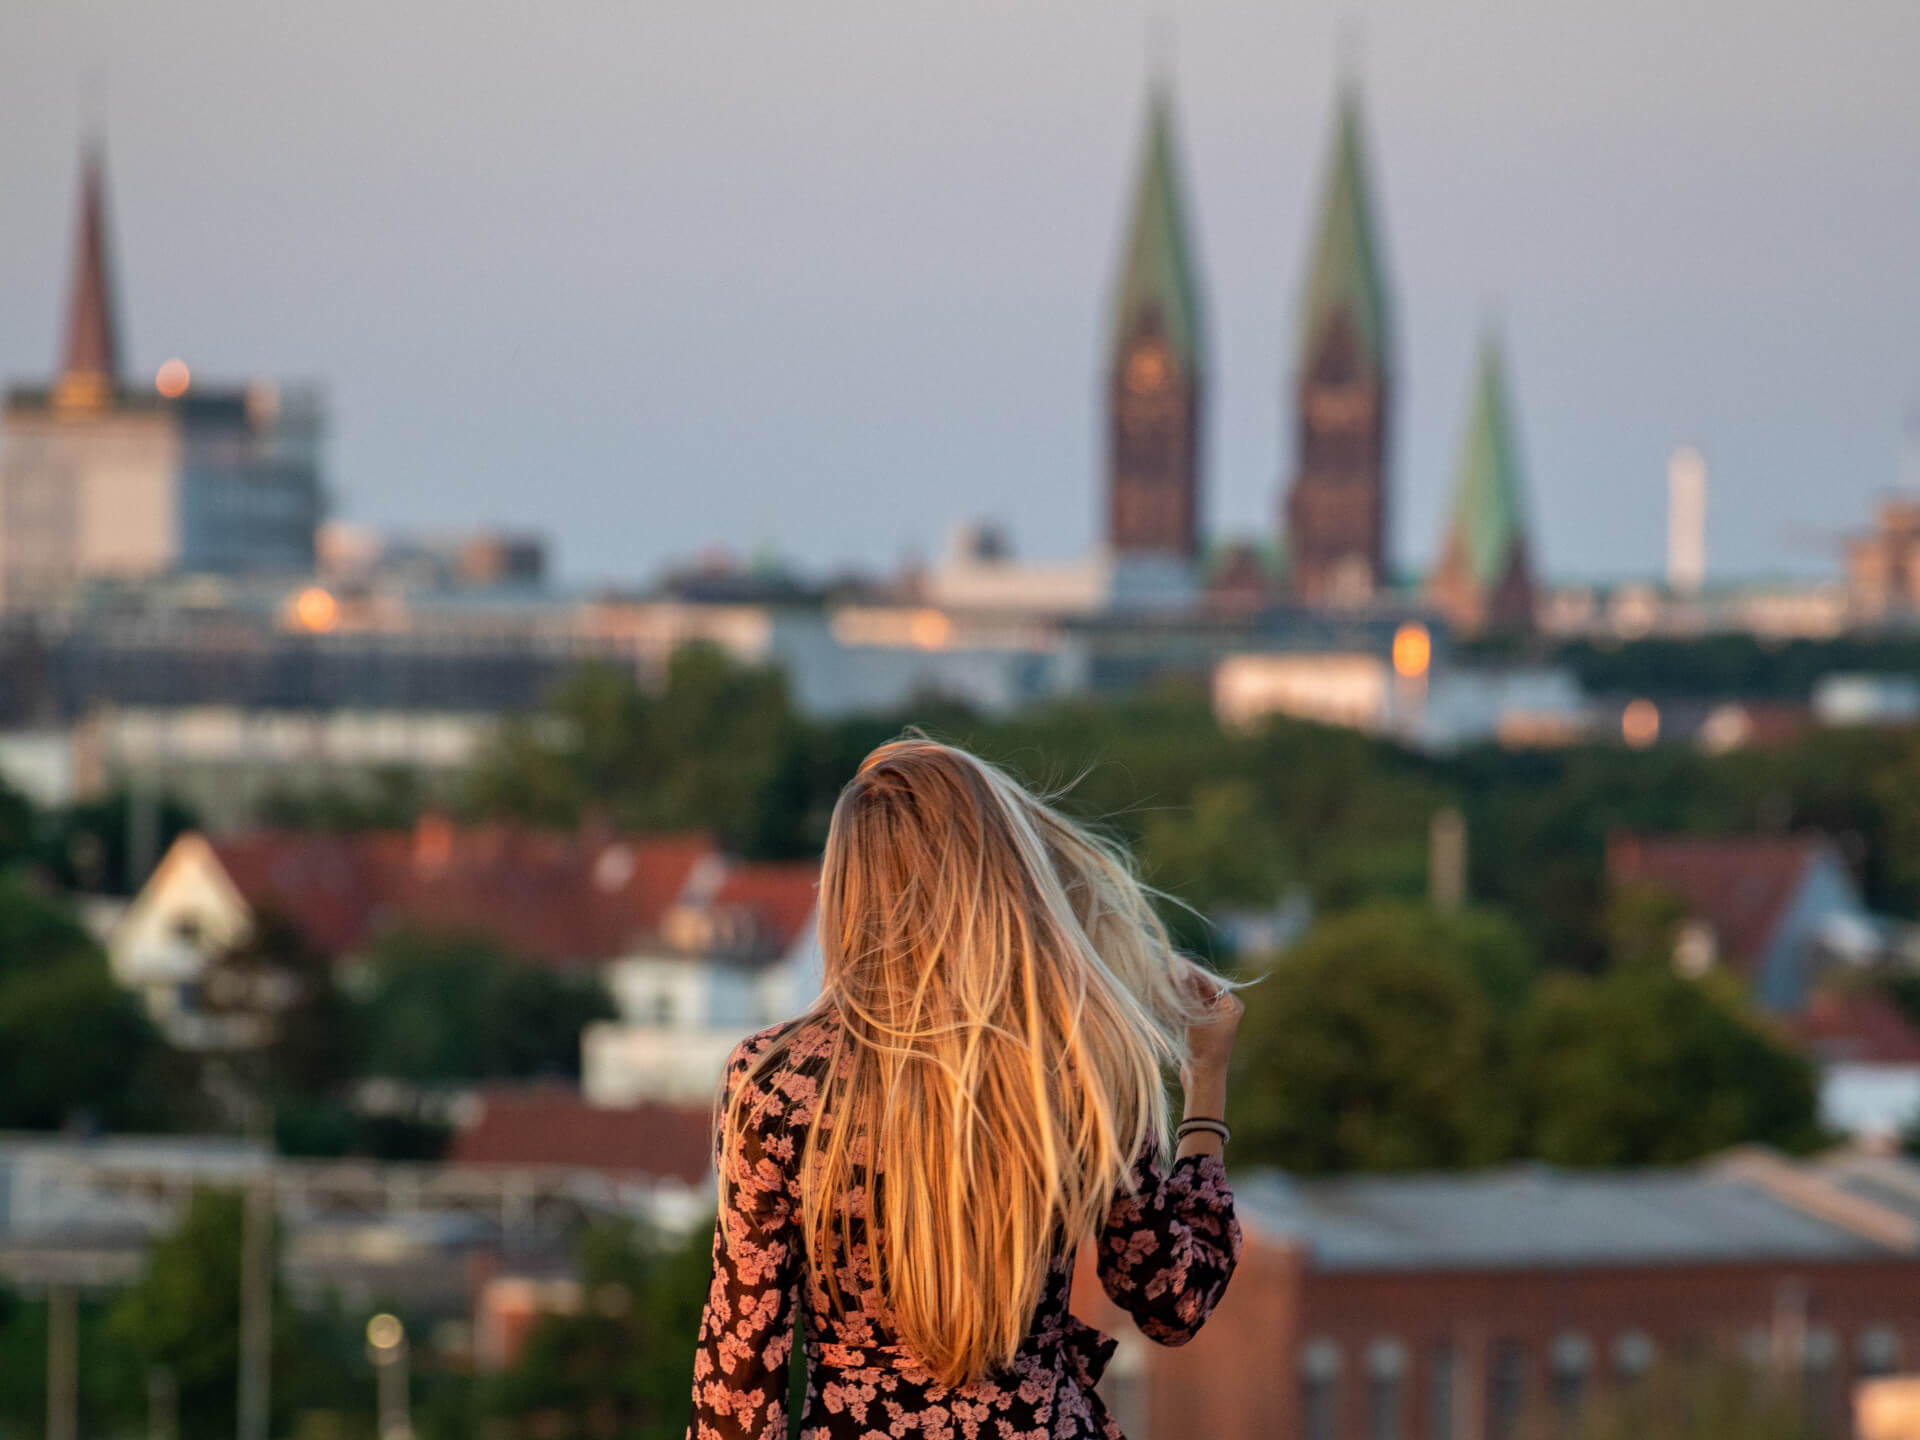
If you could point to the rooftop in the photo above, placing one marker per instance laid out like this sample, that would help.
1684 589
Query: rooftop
550 1126
550 896
1536 1216
1739 885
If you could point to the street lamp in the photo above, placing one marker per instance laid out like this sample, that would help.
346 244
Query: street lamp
387 1349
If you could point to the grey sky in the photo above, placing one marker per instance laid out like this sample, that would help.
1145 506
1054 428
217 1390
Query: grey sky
827 275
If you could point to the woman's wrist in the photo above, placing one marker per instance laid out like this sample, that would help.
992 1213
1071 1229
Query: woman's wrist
1205 1096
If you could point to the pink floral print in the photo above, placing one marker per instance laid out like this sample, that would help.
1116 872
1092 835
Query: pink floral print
1165 1254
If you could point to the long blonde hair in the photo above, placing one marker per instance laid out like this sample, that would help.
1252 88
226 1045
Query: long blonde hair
1006 1005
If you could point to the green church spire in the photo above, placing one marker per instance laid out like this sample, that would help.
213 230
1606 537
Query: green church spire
1485 574
1488 519
1347 272
1157 272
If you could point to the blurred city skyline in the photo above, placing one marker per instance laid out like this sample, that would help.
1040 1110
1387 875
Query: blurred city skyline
652 279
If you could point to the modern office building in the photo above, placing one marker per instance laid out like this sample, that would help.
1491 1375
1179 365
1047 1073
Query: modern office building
105 478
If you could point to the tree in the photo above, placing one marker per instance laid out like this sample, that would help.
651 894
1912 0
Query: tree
622 1366
88 846
444 1007
1375 1045
1219 850
1643 926
1645 1067
711 751
184 1313
72 1042
16 825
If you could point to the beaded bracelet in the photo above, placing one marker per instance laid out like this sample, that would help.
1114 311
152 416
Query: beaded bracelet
1198 1124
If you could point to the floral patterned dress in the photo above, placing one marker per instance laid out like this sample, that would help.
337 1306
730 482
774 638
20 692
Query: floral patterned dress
1165 1254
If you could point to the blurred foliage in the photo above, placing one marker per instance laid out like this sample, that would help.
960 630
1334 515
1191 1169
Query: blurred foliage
88 846
1743 667
111 1379
1395 1038
620 1369
700 754
1649 1068
1373 1045
391 798
443 1007
1704 1401
74 1046
183 1316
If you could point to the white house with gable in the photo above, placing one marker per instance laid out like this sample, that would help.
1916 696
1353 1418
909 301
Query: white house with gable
734 959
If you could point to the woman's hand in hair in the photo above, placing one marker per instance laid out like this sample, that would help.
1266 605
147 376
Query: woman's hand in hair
1210 1036
1209 1047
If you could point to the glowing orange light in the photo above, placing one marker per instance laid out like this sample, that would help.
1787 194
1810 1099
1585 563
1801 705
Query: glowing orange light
1640 724
1412 650
316 610
929 629
172 379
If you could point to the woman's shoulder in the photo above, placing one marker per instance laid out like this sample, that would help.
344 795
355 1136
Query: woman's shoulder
791 1077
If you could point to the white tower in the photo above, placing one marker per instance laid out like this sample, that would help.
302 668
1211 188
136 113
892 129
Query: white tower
1686 521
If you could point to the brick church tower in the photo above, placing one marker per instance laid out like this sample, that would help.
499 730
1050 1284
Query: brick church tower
1336 509
1153 378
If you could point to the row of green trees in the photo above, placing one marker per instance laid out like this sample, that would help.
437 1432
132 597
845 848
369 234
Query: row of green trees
620 1367
1398 1038
1217 818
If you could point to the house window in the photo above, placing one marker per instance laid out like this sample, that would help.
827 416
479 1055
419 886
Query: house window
1570 1362
1506 1389
1440 1362
1386 1389
1320 1391
1877 1351
663 1008
1633 1355
1820 1375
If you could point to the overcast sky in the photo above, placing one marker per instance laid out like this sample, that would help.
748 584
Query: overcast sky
828 275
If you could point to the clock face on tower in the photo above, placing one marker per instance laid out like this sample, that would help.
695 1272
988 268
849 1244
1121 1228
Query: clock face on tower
1149 368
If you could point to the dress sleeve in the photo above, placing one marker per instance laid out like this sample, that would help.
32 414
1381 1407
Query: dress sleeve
746 1330
1169 1247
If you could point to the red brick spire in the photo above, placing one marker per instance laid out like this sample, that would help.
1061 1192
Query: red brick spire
91 359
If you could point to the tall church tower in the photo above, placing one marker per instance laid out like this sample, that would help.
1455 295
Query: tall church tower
1336 509
1154 366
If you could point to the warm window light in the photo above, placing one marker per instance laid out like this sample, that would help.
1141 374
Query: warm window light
173 378
1412 650
315 609
929 629
1640 724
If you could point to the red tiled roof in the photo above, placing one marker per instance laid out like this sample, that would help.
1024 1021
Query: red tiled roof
549 896
546 1125
1856 1027
1739 886
781 895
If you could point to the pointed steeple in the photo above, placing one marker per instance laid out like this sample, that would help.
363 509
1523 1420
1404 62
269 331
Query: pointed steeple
1485 574
90 360
1347 273
1156 352
1157 281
